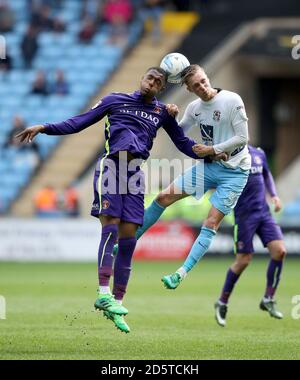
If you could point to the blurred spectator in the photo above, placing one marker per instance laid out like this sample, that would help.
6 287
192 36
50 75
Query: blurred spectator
87 30
58 25
6 63
42 19
46 202
29 45
92 9
60 85
71 202
40 85
118 14
18 126
7 19
153 10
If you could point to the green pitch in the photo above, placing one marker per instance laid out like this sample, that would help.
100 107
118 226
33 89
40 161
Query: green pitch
50 314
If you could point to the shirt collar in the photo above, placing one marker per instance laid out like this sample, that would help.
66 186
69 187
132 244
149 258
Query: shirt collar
137 95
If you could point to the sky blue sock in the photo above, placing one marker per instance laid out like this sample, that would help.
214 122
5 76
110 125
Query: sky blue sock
152 214
199 248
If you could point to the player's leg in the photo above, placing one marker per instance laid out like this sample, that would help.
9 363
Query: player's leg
278 251
199 248
244 230
122 269
163 200
229 184
241 262
183 186
107 206
154 211
271 236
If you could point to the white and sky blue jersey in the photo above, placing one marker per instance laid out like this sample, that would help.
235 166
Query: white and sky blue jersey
221 122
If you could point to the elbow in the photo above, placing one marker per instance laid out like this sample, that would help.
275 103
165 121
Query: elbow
244 140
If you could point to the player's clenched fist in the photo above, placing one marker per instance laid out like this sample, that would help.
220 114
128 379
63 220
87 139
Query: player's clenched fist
172 109
29 133
203 150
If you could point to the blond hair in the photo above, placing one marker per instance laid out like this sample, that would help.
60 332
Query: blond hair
189 71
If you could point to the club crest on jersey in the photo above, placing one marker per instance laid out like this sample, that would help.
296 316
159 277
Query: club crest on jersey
257 160
105 205
157 110
216 115
240 245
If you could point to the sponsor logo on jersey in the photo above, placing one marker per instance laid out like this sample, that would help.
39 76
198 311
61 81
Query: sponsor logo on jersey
256 169
197 114
257 160
216 115
207 133
143 114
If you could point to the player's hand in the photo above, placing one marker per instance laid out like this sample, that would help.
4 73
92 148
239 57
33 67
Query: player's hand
277 203
202 150
29 134
220 156
172 109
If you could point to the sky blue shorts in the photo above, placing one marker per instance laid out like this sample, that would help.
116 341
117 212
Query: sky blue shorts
228 183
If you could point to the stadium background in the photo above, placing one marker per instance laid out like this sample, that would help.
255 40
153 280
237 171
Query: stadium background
244 47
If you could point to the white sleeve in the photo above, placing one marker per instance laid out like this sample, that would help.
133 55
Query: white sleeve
187 120
238 120
240 139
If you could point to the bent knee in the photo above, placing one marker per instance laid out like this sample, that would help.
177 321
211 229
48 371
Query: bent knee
279 254
243 260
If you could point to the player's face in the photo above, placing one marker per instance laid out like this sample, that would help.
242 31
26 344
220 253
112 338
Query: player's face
199 85
152 83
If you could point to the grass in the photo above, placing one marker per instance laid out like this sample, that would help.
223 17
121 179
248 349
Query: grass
50 314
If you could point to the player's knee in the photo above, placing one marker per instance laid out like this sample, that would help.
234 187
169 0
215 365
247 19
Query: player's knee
243 260
279 254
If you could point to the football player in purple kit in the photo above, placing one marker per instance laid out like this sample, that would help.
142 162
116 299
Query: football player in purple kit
131 125
252 215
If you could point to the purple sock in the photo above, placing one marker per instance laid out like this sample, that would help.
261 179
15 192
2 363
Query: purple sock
231 279
273 277
122 266
105 259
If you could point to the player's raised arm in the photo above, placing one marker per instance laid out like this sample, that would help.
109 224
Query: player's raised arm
73 125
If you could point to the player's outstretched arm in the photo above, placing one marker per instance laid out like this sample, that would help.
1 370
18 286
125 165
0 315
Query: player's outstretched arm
29 134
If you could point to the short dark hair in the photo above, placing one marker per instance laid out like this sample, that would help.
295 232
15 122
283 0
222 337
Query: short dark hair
159 70
189 71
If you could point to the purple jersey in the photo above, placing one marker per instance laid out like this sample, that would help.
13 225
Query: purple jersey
131 124
253 197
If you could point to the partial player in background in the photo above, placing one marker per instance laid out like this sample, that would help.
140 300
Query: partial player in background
132 123
252 215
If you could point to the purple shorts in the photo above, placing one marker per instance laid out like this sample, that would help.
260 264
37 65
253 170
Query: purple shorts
263 225
119 189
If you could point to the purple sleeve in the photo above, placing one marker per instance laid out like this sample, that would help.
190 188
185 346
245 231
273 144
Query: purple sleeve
78 123
268 178
182 142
